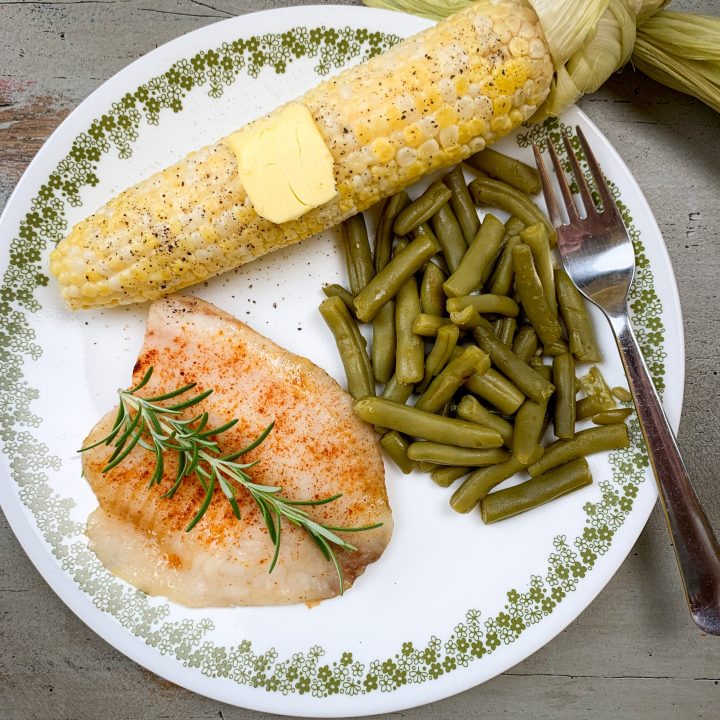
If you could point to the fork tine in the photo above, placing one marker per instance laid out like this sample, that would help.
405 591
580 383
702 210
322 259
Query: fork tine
550 200
608 202
570 204
585 193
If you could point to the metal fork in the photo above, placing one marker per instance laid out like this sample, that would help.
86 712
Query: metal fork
598 255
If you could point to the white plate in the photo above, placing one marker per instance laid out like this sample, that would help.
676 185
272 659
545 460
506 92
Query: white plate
452 602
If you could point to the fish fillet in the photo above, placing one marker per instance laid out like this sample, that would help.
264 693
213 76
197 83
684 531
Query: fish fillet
318 448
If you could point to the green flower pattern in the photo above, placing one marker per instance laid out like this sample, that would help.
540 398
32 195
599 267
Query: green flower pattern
308 672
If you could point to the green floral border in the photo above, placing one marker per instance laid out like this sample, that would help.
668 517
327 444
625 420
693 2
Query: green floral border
31 462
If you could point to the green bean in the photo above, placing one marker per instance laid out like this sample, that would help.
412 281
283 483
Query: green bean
462 204
514 226
422 209
439 356
487 303
432 297
358 256
528 425
426 467
351 346
564 380
529 382
409 348
482 251
589 406
536 362
559 347
586 442
384 234
525 344
480 482
511 171
396 446
446 476
387 283
396 391
471 410
536 238
450 235
425 425
501 281
577 321
451 455
384 340
496 390
504 329
465 319
535 492
622 394
609 417
532 296
429 325
471 360
335 290
599 396
494 193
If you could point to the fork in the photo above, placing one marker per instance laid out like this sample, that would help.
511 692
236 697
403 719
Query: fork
598 255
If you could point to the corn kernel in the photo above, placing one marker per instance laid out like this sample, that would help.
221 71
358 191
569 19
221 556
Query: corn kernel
382 150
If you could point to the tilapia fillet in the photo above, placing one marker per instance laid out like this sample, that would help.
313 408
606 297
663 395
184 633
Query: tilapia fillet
318 448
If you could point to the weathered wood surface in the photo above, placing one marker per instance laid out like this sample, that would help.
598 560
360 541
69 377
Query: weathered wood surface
634 653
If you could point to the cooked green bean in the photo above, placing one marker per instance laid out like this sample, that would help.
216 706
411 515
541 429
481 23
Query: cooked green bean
514 226
564 380
496 390
384 342
396 391
409 348
577 321
504 329
396 446
501 281
487 191
439 356
532 296
527 380
511 171
586 442
428 325
484 304
622 394
559 347
358 256
422 209
525 344
432 296
384 235
387 283
446 476
471 410
599 396
536 238
462 204
472 360
482 251
480 482
452 455
351 346
465 319
609 417
450 236
335 290
425 425
528 426
535 492
589 406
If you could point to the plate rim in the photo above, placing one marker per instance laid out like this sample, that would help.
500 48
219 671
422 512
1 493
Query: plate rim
81 604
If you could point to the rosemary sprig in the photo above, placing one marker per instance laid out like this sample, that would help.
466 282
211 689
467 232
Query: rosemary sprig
159 428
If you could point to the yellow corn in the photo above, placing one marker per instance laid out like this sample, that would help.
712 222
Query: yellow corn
427 103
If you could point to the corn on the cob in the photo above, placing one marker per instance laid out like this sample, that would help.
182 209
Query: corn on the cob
427 103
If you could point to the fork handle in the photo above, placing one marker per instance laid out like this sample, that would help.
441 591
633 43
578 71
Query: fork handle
696 547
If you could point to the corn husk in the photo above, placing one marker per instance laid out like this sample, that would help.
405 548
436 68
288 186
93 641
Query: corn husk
591 39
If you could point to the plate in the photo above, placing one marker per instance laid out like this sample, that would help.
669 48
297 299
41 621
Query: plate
452 603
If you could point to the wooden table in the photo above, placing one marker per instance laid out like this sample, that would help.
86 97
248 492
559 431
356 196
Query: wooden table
634 653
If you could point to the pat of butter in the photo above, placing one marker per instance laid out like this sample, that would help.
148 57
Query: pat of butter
284 164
